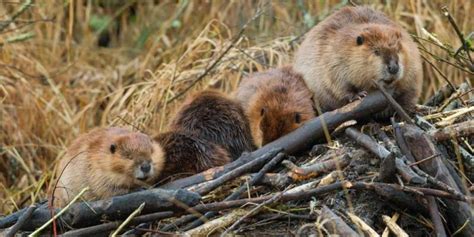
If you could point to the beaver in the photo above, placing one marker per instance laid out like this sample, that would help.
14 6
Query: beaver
186 154
110 161
341 56
212 116
276 101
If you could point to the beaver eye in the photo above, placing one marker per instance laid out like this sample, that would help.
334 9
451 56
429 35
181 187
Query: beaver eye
360 40
263 111
297 118
113 147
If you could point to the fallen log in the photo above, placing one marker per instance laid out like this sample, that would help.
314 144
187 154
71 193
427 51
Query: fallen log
116 208
300 139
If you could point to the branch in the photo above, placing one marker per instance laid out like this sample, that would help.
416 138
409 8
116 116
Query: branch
4 24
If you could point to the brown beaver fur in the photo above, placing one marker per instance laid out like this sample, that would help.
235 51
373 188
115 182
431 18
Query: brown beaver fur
213 117
276 101
341 56
110 161
186 154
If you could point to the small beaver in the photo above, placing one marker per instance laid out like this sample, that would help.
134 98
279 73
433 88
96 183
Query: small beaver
341 56
186 154
213 117
110 161
276 101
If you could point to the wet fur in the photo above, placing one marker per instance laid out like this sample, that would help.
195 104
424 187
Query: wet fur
336 68
89 163
280 93
186 154
211 116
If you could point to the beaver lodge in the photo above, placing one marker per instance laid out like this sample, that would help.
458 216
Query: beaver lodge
69 66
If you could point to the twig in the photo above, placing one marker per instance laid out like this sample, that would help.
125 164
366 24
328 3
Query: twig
255 179
464 43
362 225
252 212
27 4
25 217
18 38
129 218
334 224
219 58
236 173
397 230
463 129
216 224
38 231
435 217
394 103
394 219
302 173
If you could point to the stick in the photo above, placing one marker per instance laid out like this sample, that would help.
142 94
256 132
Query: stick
300 139
129 218
463 129
435 217
237 172
252 212
25 217
334 224
397 230
303 173
38 231
362 225
216 224
277 159
394 103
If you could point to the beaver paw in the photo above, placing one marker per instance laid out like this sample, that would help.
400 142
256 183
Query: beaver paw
358 96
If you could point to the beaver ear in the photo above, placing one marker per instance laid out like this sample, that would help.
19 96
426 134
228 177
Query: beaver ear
297 117
113 148
360 40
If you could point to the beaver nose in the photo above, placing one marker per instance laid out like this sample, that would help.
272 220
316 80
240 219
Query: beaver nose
145 167
393 67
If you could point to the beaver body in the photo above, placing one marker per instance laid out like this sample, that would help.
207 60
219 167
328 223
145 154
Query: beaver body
213 117
341 56
110 161
186 154
276 101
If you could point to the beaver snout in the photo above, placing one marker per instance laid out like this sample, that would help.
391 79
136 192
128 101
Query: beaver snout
393 67
143 171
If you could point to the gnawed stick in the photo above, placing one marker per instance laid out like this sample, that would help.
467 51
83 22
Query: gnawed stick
339 160
334 224
394 219
462 129
401 112
362 225
300 139
217 224
396 229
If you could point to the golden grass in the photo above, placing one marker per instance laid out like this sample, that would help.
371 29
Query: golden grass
60 84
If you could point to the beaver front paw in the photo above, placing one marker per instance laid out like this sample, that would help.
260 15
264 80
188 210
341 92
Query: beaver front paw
356 96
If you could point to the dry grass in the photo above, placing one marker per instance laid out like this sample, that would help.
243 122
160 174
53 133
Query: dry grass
60 84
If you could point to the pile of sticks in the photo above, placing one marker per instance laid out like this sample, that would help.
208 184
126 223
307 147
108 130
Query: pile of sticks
416 174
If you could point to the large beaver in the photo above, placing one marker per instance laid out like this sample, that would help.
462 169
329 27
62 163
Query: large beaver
341 56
